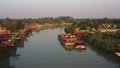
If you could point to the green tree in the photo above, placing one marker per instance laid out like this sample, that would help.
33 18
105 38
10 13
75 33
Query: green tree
20 25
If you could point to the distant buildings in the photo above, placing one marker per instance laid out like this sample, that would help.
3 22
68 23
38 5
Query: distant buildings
33 26
4 30
107 28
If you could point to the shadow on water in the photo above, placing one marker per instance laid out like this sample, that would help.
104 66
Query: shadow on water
107 56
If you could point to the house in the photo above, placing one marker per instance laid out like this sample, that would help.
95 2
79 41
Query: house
4 30
108 30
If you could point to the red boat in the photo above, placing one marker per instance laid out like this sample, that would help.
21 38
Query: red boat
7 43
7 35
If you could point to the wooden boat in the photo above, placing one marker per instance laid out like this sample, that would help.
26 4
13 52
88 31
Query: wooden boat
67 39
7 43
117 53
78 42
7 35
80 47
66 42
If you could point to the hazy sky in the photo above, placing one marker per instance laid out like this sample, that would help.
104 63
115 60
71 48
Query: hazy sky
55 8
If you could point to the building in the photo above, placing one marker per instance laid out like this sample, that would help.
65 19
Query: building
108 30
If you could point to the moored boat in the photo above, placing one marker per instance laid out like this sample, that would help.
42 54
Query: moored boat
80 47
7 43
117 53
67 39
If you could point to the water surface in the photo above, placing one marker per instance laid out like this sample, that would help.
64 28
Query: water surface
43 50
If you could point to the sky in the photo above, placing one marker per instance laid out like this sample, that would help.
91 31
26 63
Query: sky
56 8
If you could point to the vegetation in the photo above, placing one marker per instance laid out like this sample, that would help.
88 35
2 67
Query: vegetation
82 25
18 24
103 41
13 25
109 42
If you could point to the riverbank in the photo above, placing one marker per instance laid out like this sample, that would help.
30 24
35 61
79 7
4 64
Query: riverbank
8 38
103 36
102 42
44 47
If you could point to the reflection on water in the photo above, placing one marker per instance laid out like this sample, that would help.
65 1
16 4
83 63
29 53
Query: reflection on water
6 53
107 56
72 48
43 50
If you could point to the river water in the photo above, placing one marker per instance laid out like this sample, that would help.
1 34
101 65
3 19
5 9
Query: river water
43 50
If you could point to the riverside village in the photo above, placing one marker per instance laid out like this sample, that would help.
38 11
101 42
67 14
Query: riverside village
78 35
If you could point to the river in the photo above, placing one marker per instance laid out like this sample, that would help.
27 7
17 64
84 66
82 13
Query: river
43 50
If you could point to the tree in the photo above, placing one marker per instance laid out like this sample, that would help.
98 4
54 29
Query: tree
20 25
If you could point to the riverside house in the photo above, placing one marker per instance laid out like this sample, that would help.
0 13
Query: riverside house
107 28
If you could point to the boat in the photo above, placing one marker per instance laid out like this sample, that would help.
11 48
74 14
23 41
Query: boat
6 34
67 39
117 53
70 42
78 42
80 47
7 43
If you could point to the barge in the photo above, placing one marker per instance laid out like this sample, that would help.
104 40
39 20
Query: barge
117 53
69 39
9 39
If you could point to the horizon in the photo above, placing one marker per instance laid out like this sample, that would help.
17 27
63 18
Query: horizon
82 9
58 17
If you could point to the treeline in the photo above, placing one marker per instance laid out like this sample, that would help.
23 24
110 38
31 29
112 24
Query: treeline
82 25
62 19
89 24
105 41
17 24
13 25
